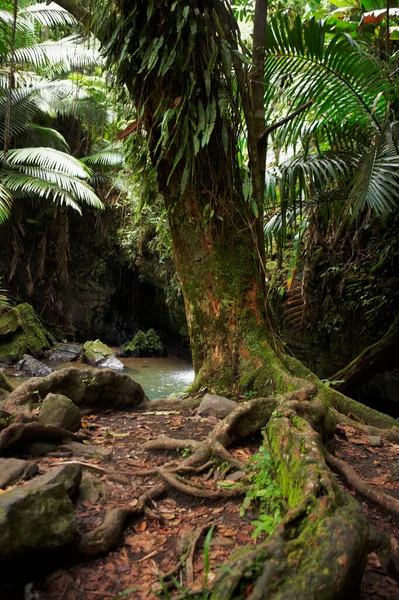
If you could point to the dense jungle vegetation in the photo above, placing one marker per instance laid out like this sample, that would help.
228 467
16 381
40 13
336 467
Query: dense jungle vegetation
226 172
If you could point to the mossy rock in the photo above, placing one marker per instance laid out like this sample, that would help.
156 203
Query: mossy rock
21 332
144 345
35 519
97 389
60 411
95 352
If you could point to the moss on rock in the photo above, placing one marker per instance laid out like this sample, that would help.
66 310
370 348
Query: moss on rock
21 332
144 344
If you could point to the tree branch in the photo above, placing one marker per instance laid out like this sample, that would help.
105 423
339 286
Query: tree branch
275 126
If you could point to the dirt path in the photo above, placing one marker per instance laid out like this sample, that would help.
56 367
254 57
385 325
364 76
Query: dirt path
153 545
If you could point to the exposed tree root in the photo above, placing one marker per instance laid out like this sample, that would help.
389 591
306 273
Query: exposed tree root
374 359
390 434
384 500
182 485
24 433
318 550
107 535
337 400
387 549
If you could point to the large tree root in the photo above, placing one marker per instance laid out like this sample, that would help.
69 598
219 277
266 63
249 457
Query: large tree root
337 400
385 501
391 435
107 535
387 549
24 433
318 550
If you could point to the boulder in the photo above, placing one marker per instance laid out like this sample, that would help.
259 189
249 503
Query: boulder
216 406
104 388
67 475
21 332
88 450
35 519
40 448
111 363
60 411
15 469
62 353
32 367
144 345
95 352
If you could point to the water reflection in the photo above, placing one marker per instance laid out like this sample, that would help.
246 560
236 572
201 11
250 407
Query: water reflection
159 377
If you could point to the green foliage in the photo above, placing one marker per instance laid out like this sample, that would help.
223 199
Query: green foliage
336 173
144 344
197 92
263 494
45 170
185 593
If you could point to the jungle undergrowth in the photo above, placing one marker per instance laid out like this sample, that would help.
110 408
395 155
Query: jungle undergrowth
263 494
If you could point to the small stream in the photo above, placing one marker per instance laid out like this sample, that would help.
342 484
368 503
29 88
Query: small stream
159 377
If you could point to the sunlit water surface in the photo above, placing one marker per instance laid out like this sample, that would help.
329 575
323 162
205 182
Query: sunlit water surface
159 377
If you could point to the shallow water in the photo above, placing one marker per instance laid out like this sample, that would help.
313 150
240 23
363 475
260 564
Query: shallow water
159 377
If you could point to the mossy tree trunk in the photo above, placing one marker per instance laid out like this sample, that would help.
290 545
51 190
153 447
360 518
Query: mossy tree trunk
219 270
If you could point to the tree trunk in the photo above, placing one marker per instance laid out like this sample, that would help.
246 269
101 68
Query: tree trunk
213 242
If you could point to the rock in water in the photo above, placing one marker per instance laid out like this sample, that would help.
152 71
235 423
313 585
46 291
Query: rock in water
35 519
60 411
111 363
100 355
216 406
144 344
32 367
62 353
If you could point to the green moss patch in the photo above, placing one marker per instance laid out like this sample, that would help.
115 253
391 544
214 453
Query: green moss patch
21 332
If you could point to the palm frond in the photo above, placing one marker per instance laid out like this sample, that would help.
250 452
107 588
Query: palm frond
342 81
108 157
36 135
68 53
377 183
5 204
46 158
53 186
47 173
48 15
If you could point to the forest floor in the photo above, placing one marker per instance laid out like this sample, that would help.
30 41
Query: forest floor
153 545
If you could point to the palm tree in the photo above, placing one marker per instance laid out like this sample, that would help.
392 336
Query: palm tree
343 139
28 92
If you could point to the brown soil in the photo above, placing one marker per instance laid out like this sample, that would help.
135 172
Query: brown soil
153 545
